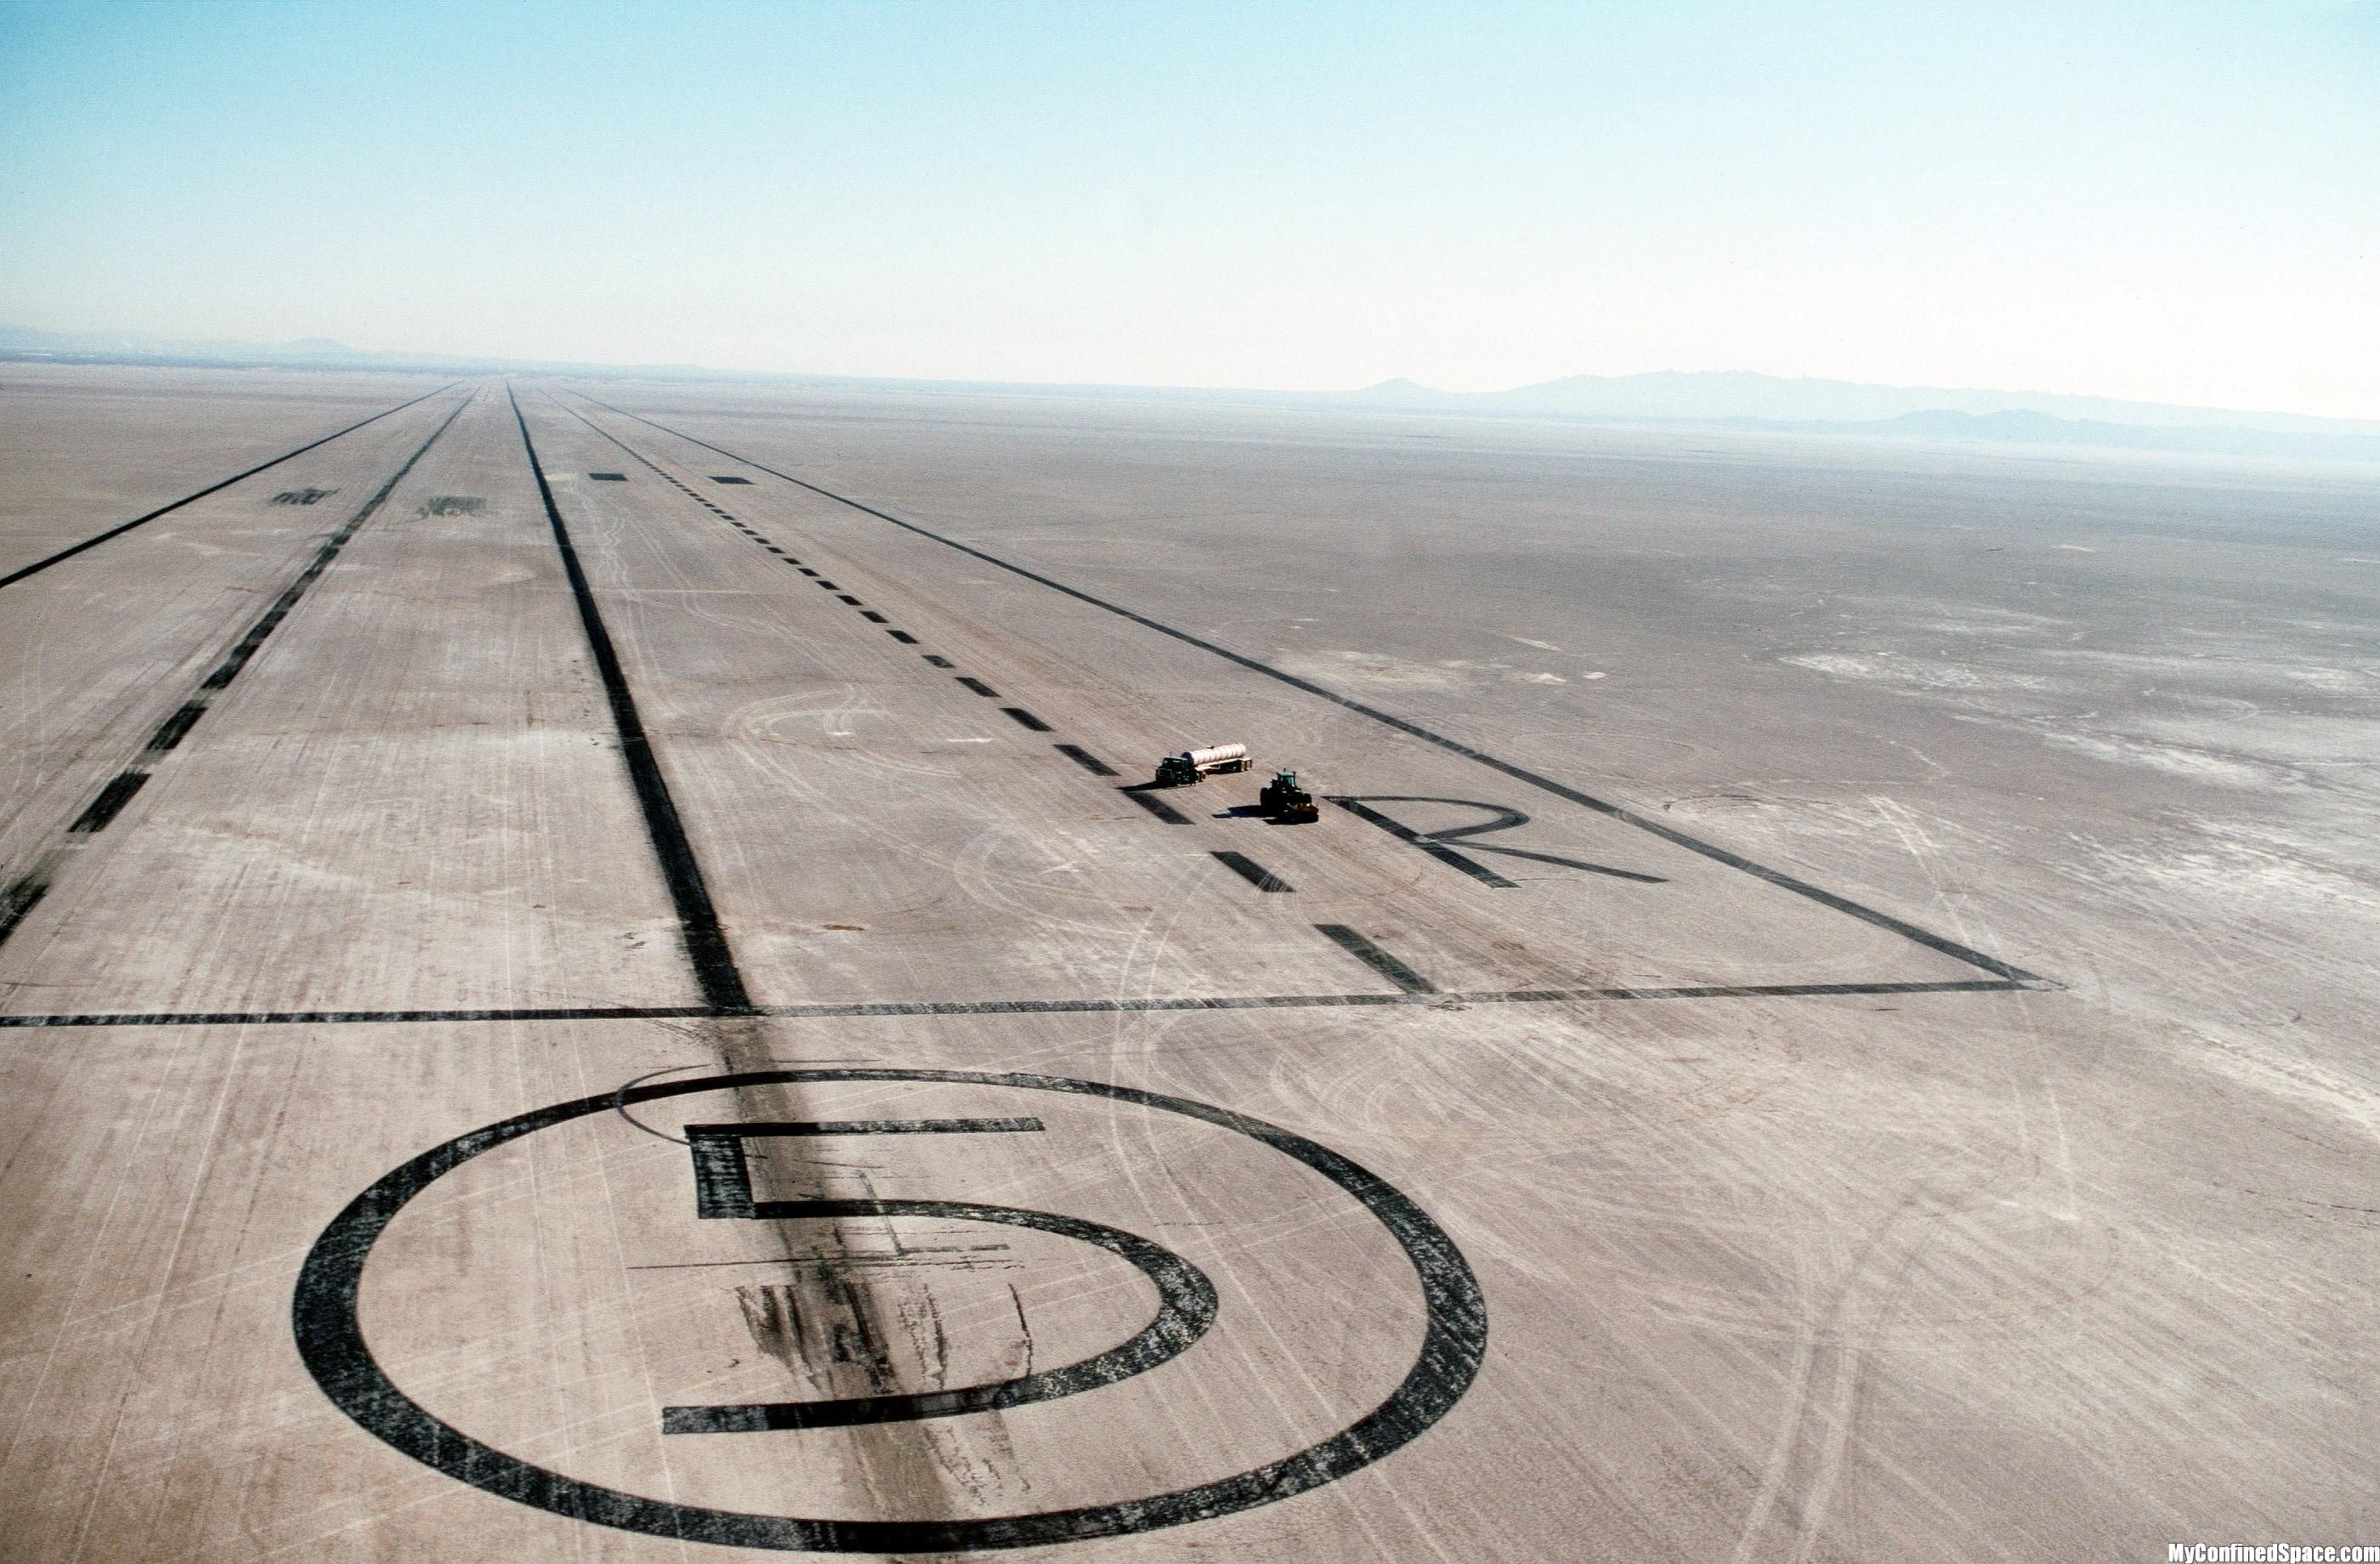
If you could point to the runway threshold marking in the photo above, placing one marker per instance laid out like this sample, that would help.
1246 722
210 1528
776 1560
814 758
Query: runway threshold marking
27 889
707 949
1914 933
120 530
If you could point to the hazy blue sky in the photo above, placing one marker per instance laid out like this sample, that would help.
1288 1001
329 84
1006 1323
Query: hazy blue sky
2160 201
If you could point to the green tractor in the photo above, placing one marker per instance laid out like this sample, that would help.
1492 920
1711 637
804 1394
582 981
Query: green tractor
1286 803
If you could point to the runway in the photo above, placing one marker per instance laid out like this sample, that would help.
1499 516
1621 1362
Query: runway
591 971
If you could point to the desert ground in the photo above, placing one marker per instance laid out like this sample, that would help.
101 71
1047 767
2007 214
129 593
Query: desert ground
587 971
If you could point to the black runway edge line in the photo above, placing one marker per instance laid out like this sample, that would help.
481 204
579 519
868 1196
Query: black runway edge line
121 528
706 942
1783 881
927 1008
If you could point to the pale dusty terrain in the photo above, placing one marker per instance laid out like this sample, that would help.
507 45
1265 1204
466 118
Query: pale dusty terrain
1902 1091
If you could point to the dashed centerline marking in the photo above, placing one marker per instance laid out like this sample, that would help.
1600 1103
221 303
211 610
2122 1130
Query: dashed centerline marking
177 727
1156 805
1378 960
110 802
1256 874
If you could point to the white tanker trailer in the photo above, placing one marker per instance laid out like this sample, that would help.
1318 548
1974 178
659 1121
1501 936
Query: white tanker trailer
1180 771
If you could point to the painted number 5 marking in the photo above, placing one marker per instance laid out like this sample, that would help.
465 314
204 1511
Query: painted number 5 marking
723 1188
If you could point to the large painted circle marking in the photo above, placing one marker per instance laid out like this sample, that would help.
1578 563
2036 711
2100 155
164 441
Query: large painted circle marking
330 1341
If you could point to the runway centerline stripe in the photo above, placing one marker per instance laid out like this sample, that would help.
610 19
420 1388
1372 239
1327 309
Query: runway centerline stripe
927 1008
175 728
1026 719
1255 873
1156 805
1378 960
119 530
1783 881
1086 760
110 802
19 899
706 942
978 687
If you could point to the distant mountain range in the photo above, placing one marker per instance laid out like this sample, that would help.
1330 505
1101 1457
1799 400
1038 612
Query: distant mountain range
1734 395
2041 428
1937 413
1717 399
